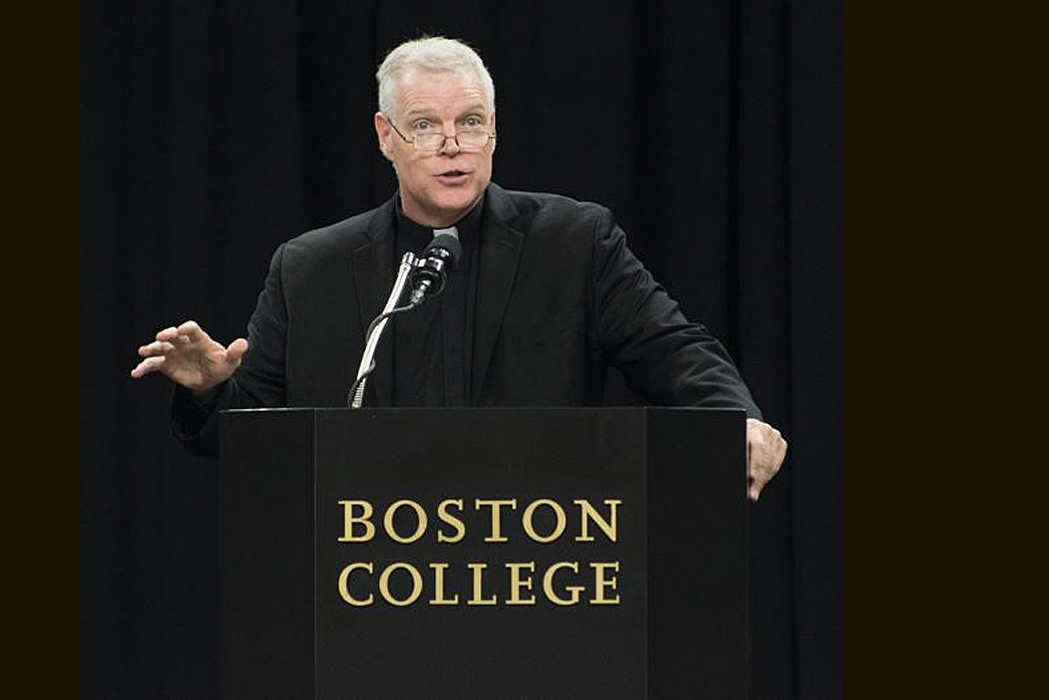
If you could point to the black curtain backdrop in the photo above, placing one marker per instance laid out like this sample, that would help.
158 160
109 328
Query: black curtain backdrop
213 131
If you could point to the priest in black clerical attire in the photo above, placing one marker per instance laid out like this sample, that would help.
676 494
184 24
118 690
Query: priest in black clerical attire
545 298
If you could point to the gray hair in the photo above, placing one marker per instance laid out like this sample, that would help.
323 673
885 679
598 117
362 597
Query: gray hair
430 53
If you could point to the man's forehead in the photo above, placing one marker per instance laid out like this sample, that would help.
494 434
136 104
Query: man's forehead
423 90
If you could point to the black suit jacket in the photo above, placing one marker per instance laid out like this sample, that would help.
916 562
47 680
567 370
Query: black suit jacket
560 298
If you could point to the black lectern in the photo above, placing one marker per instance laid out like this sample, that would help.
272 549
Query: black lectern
488 553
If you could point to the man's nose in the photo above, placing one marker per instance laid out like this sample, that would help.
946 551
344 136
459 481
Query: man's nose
451 144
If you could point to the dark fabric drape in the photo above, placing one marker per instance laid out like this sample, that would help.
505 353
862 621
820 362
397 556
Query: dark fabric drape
211 132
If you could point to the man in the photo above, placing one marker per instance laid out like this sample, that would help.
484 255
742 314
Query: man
546 296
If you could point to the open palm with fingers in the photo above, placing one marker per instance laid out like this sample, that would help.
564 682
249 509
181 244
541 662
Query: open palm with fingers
189 357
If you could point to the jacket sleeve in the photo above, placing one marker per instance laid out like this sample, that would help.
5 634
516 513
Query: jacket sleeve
642 332
257 383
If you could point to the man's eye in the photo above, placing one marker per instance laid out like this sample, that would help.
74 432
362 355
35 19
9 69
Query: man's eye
473 122
423 125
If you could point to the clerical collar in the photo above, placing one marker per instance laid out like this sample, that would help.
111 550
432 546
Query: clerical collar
468 227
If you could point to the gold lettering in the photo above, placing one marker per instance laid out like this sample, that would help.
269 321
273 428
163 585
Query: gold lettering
438 586
442 513
344 588
384 583
558 511
496 535
587 513
420 514
477 599
516 583
548 584
600 583
349 520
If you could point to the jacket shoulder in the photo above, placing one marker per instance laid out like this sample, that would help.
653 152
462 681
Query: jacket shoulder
327 250
548 205
342 236
543 214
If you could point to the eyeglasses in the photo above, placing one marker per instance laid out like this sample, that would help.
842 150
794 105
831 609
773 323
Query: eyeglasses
470 137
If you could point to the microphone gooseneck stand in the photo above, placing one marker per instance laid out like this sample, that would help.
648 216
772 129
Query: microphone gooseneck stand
375 329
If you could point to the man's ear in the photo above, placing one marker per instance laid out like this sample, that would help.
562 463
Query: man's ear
493 130
382 131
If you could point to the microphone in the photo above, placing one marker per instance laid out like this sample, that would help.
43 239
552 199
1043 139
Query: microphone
438 259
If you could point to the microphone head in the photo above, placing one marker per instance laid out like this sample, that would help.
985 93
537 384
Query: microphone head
449 242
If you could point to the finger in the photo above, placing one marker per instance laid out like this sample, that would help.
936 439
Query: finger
758 479
236 350
756 484
150 364
156 348
192 331
168 334
760 474
779 454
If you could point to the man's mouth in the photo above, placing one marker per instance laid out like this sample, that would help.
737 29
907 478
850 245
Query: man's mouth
452 177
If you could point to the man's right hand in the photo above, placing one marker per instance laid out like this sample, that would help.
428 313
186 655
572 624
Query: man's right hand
191 358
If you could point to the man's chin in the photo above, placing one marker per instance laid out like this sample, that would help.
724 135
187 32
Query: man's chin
456 207
443 209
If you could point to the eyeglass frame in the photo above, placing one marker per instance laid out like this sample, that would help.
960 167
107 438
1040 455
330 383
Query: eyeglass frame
490 135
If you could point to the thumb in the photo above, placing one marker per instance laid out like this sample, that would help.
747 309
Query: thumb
236 350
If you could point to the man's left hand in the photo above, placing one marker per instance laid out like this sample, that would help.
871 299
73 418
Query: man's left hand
766 449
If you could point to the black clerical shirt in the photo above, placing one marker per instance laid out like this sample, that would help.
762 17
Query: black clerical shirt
433 345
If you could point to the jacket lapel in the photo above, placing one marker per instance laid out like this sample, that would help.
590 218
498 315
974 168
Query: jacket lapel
374 272
501 248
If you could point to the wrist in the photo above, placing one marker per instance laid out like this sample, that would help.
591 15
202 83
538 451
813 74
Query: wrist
206 395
